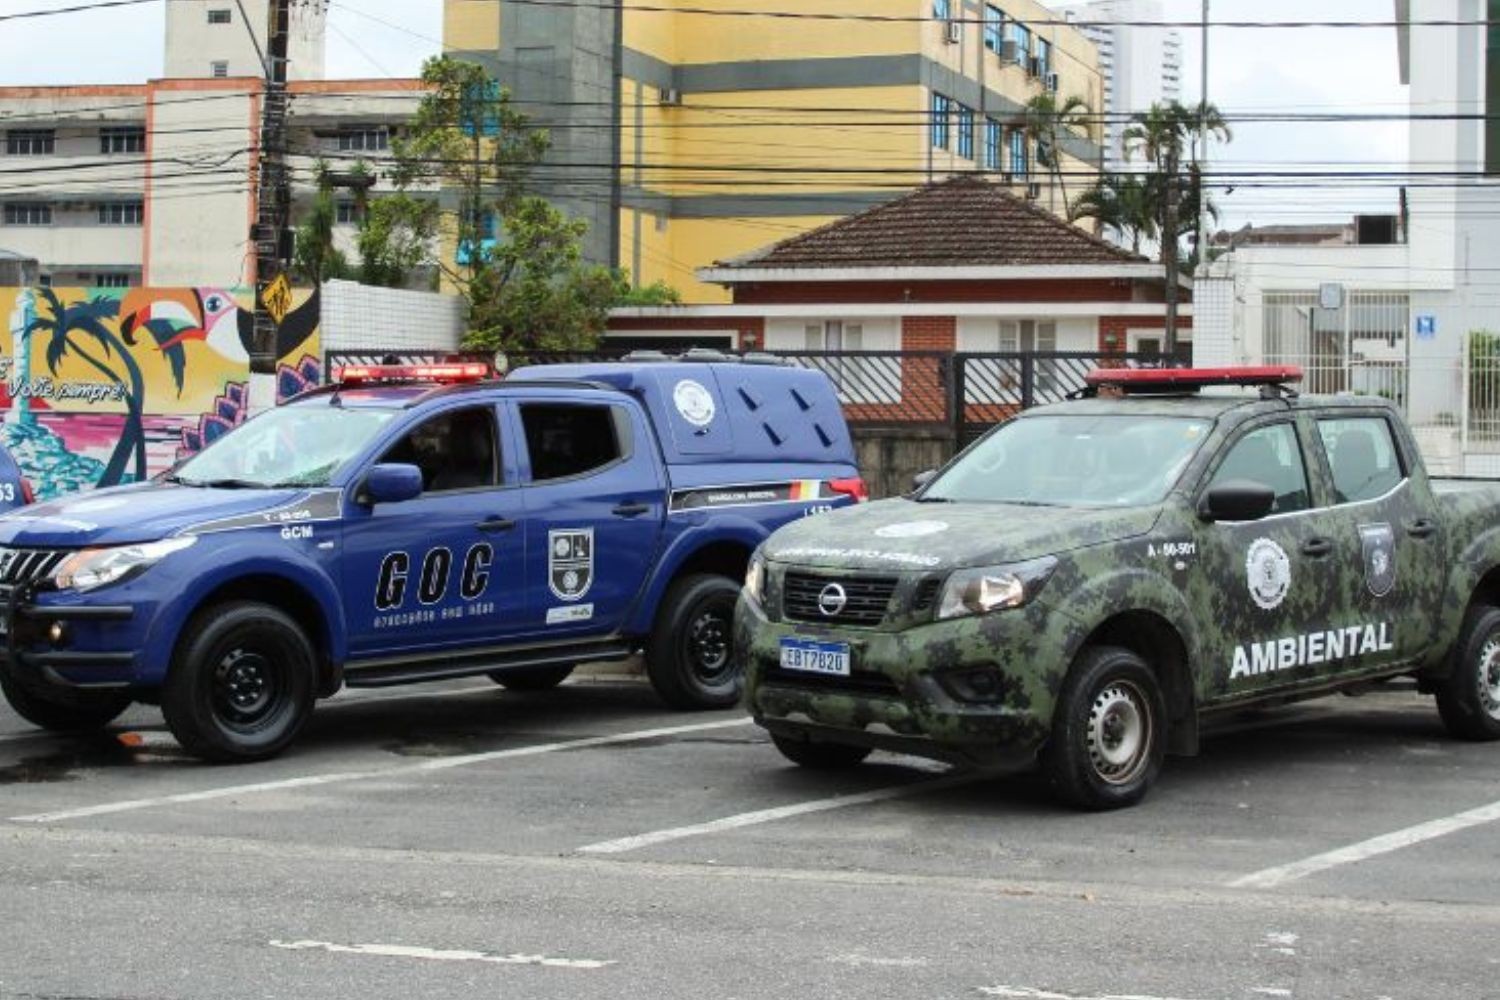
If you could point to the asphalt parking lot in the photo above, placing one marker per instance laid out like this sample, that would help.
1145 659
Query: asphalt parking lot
460 840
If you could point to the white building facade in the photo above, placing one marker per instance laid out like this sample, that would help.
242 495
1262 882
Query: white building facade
1141 66
1412 309
213 38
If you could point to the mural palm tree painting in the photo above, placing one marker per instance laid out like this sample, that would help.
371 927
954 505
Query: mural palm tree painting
80 330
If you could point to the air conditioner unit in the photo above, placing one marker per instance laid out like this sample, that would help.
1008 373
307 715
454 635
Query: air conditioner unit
1033 66
1010 52
669 97
1007 178
954 32
1033 191
1052 82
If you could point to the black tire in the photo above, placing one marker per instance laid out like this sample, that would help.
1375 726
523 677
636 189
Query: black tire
1469 699
69 711
241 685
531 678
1109 731
820 756
690 655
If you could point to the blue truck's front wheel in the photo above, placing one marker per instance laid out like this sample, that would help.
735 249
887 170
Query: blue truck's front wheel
690 658
241 685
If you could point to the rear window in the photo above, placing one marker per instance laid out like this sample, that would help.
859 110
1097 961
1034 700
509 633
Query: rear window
1363 457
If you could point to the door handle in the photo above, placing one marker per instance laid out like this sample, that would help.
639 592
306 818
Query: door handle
1422 528
496 524
631 509
1316 548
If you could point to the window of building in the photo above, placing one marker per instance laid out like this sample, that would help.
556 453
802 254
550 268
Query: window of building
27 213
1362 457
347 213
219 69
1018 164
966 132
565 440
219 16
122 213
834 335
994 28
991 144
940 127
1043 57
30 142
373 139
110 281
942 9
1021 35
1269 456
1027 335
125 139
455 450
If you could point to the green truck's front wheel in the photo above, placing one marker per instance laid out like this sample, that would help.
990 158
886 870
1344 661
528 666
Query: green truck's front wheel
820 756
241 686
1469 700
1108 736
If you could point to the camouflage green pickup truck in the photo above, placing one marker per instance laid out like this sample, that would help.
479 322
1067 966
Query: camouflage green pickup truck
1088 582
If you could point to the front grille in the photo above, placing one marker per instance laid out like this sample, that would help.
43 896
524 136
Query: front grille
868 598
23 566
859 681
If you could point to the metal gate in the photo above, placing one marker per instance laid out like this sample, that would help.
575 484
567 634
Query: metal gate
1359 347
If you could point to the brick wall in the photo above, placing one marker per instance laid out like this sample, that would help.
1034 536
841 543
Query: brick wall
922 393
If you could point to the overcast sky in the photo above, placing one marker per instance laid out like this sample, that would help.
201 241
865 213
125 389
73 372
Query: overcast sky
1256 70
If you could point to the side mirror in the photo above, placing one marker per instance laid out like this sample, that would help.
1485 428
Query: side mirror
921 479
392 482
1237 500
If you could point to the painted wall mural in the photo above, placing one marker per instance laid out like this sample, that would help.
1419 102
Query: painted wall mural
100 387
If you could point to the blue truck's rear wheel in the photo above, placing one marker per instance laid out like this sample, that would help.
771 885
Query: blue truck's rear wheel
690 658
1108 734
1469 699
68 711
241 686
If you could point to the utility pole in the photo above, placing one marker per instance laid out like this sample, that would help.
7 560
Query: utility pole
1169 238
273 200
1202 172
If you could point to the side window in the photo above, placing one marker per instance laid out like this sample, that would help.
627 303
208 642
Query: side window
566 440
1269 456
455 450
1362 456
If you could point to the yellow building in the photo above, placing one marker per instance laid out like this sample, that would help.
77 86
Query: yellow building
691 136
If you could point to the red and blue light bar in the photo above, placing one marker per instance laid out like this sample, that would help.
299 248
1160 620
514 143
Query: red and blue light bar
445 373
1161 379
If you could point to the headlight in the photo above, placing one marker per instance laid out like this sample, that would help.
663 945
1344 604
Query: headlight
91 569
755 578
993 588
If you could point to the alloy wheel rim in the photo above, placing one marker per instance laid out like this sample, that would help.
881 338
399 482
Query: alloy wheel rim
1119 733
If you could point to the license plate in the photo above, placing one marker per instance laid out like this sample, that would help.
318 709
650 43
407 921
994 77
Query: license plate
809 657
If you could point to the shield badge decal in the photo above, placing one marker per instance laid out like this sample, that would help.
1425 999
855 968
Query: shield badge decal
1379 544
570 562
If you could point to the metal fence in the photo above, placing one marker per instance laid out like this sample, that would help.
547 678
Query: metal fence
934 390
1359 347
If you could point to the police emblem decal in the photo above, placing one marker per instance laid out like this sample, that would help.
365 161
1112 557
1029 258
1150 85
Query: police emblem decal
570 562
1268 572
694 402
1379 544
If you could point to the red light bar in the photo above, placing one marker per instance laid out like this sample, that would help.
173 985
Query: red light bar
1191 378
443 374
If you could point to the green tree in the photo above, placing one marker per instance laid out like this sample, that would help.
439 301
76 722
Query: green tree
396 237
1123 204
316 259
1046 121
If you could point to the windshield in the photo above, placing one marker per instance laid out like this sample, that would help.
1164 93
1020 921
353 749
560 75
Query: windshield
1074 461
290 446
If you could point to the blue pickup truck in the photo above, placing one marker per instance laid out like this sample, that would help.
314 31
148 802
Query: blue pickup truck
416 523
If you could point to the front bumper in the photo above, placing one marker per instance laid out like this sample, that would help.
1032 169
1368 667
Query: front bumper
903 693
31 656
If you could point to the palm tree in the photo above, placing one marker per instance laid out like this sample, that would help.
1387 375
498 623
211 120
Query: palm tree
80 330
1124 204
1046 122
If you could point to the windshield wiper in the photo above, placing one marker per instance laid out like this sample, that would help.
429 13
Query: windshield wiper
226 484
935 500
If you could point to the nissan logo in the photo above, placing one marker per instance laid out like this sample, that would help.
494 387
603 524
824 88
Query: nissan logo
832 600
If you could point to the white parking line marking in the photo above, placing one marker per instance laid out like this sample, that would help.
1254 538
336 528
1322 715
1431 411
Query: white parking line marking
341 777
624 844
436 955
1031 993
1270 878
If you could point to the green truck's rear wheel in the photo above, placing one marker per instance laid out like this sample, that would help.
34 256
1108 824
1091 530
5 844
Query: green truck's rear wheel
1469 700
820 756
69 711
